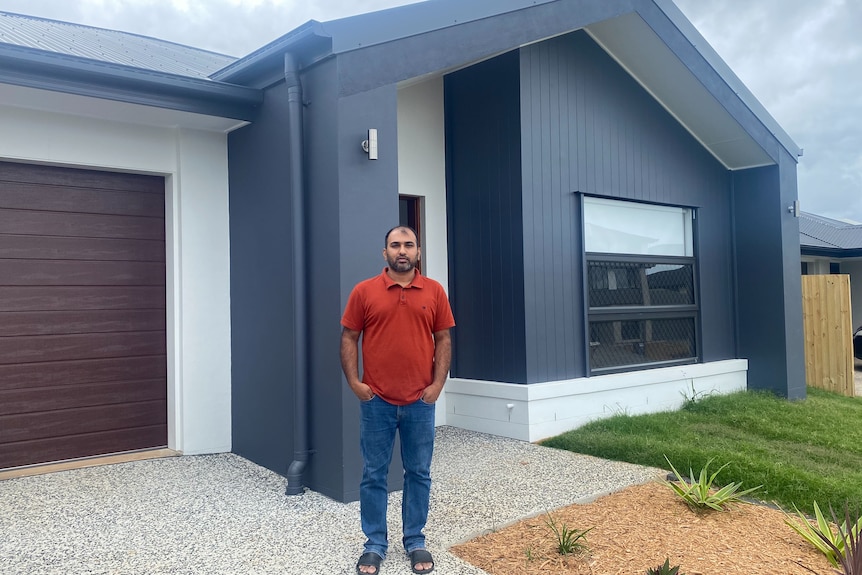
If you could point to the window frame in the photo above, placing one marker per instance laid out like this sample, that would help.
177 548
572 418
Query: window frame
641 312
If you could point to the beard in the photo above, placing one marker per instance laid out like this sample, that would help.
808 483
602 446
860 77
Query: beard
401 266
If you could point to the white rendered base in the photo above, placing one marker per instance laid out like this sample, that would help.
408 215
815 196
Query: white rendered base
532 412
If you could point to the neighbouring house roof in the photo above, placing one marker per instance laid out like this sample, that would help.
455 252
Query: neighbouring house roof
819 235
111 46
66 58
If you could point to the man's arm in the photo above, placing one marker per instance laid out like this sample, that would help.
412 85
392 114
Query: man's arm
442 362
350 364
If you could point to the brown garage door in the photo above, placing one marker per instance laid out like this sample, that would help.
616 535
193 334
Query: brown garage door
82 313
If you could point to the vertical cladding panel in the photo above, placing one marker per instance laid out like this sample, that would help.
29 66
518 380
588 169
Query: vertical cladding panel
588 127
485 220
759 270
367 208
261 287
553 337
793 350
770 315
329 424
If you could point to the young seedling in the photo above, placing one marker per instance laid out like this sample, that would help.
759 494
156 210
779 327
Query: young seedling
568 541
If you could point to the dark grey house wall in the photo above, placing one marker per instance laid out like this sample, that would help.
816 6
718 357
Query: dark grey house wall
261 285
486 278
794 349
367 207
588 127
327 421
350 203
769 290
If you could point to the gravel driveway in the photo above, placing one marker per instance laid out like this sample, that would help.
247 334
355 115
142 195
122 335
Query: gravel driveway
223 514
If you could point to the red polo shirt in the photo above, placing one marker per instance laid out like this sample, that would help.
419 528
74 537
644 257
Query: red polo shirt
398 325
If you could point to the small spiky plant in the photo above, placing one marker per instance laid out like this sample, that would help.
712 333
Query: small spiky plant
844 550
850 559
700 496
664 569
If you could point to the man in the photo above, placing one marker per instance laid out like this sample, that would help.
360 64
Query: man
404 319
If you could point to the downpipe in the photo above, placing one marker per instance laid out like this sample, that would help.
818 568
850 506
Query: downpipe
297 201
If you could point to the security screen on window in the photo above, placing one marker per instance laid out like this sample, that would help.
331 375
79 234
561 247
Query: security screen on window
641 285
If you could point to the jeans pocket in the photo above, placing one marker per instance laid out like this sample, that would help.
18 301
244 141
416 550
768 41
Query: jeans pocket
370 399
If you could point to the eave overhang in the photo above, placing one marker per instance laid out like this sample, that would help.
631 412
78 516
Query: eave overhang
663 51
835 253
31 68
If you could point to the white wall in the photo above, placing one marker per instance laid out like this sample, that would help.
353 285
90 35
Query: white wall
816 265
422 172
198 260
540 410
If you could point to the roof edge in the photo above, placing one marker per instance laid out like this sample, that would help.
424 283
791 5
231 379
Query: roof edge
836 253
717 63
41 69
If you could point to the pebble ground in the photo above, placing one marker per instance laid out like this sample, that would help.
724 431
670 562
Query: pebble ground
222 514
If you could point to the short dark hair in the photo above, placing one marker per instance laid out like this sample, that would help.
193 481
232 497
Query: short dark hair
408 228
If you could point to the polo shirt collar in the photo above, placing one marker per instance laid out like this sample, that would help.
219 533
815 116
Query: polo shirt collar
418 280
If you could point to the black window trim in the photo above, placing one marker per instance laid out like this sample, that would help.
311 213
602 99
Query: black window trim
626 313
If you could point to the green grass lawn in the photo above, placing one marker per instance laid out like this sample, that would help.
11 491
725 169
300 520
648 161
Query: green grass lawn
800 451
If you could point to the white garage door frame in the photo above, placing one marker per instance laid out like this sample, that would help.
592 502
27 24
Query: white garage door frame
190 151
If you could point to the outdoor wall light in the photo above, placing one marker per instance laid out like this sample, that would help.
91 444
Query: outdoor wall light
794 208
369 146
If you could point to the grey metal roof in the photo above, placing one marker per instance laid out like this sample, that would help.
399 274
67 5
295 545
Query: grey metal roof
821 232
111 46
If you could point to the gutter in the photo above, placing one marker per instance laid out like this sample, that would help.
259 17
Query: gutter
40 69
300 299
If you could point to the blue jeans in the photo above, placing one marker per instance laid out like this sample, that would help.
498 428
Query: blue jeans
378 424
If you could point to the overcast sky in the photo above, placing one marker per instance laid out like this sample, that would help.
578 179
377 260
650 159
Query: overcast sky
801 58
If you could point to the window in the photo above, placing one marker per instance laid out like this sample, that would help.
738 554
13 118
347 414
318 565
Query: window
641 285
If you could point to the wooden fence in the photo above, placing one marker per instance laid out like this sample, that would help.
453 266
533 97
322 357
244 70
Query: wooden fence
828 332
